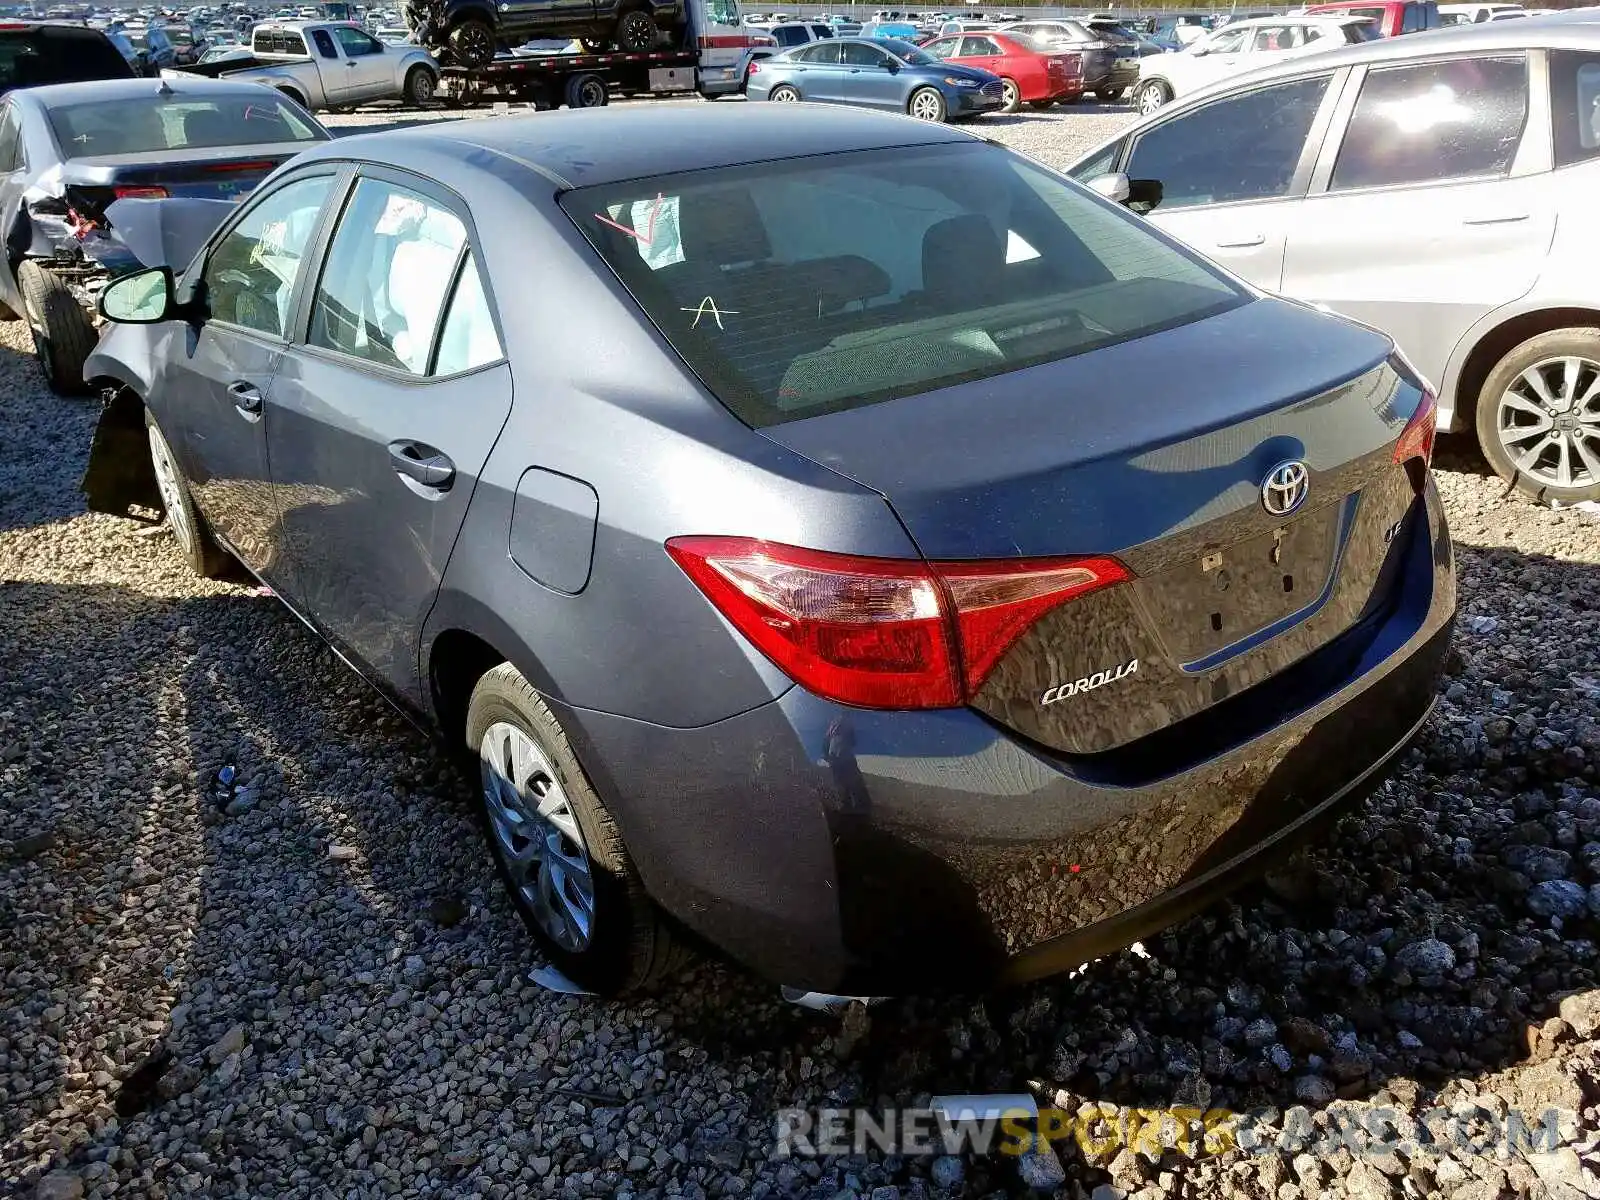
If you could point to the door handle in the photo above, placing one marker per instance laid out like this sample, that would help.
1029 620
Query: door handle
1241 241
422 463
1495 219
246 397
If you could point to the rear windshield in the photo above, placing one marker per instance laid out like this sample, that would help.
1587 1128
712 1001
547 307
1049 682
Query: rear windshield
155 125
30 58
815 285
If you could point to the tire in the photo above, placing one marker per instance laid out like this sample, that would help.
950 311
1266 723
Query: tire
189 529
628 946
472 43
927 104
587 91
1109 95
63 334
1148 97
784 94
1041 105
419 87
1013 96
636 31
1541 438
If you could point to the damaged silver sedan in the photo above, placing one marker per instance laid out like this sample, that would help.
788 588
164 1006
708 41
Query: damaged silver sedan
68 152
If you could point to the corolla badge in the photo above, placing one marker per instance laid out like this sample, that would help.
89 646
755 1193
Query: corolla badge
1285 488
1064 691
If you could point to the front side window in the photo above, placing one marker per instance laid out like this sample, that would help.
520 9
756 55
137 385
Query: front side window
1244 147
10 139
1430 122
249 277
819 284
356 44
859 54
1230 42
1575 104
382 286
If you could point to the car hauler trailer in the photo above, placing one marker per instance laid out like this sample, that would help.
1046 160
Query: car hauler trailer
712 59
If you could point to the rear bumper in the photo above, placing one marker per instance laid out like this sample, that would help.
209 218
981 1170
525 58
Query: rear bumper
872 853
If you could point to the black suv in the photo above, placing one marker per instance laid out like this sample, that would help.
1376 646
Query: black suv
471 31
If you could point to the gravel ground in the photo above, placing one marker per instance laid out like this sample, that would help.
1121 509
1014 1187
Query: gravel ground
199 1001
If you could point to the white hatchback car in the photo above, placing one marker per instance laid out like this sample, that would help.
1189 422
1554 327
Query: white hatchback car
1442 187
1239 47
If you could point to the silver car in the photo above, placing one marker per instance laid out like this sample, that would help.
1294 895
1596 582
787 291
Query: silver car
1443 188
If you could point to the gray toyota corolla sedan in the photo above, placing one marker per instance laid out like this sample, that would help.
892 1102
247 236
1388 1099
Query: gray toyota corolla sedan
835 535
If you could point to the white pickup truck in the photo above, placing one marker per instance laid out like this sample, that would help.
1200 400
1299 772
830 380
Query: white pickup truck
328 64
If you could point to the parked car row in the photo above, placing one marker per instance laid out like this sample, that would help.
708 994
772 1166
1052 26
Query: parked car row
873 691
1439 188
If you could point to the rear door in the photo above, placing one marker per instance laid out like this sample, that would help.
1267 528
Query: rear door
1422 229
1233 172
383 413
13 179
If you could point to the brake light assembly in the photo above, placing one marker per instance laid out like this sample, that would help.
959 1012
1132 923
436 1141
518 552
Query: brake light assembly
879 632
149 192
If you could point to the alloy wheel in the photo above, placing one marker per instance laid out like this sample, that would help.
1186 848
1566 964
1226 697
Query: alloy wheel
785 95
1548 422
422 90
536 835
166 472
1150 99
925 106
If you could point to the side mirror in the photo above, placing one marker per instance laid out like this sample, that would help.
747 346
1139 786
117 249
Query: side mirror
143 298
1115 187
894 66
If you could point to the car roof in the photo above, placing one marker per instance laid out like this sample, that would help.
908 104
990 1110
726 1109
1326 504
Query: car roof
639 143
1313 19
90 91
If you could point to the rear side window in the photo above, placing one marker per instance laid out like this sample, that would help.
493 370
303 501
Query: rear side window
380 295
468 339
1575 105
1244 147
324 43
1416 17
31 58
1461 119
814 285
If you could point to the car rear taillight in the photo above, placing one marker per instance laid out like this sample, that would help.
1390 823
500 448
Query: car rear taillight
753 69
140 193
1416 439
882 632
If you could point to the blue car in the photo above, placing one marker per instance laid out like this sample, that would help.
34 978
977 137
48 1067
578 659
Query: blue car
877 73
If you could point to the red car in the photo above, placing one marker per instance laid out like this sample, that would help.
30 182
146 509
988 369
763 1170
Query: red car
1393 17
1031 75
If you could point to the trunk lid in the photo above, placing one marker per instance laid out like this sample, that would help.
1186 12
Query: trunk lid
226 173
1154 451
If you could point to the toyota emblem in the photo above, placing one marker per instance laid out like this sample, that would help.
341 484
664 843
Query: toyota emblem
1285 488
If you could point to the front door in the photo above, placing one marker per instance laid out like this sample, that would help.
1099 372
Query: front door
371 71
383 415
212 396
336 72
1232 173
865 76
1450 224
